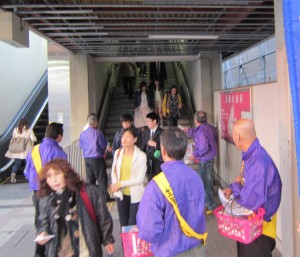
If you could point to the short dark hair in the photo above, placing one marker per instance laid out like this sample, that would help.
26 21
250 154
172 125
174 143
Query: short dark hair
131 130
201 116
153 116
173 86
126 117
174 141
53 130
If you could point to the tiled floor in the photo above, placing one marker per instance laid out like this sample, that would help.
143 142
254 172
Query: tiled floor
17 231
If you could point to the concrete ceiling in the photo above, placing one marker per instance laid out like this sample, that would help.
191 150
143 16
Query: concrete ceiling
117 28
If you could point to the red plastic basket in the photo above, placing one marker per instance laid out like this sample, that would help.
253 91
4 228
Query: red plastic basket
133 246
242 229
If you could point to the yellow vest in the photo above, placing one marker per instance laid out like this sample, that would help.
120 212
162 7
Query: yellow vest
269 228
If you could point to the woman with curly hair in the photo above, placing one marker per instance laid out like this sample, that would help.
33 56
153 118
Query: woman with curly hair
73 213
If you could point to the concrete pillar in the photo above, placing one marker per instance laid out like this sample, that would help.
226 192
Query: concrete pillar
285 222
68 91
59 89
79 94
205 75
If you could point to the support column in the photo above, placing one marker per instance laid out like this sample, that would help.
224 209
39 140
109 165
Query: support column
205 75
79 94
285 232
68 91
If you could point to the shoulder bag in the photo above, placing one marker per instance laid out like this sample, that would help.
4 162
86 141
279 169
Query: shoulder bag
17 144
166 189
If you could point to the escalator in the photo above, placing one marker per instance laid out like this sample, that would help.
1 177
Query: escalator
35 110
119 104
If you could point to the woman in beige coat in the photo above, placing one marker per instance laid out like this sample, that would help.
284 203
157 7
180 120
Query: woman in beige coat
128 174
22 130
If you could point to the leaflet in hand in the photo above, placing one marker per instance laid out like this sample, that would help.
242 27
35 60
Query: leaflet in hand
231 206
41 238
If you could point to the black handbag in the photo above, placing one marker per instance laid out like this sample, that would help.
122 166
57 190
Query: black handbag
17 144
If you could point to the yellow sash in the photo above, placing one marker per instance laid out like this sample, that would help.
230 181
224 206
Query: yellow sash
36 158
166 189
269 228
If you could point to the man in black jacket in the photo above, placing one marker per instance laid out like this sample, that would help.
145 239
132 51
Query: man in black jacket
151 144
126 121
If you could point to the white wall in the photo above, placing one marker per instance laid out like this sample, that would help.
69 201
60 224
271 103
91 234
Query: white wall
30 64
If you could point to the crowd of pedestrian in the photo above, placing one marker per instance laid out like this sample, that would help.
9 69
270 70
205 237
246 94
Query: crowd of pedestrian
151 184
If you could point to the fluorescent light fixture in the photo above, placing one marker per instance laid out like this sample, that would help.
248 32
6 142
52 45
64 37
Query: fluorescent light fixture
182 36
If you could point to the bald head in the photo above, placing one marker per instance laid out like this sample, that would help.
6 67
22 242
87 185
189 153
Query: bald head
244 133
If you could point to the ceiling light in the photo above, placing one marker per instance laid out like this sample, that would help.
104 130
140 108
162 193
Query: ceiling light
182 36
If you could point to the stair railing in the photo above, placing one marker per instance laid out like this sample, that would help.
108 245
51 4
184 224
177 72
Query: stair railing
185 89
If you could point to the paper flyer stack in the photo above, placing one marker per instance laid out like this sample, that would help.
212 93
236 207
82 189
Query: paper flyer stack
231 206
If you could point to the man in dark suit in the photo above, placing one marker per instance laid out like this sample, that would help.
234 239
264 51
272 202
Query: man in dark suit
151 145
158 70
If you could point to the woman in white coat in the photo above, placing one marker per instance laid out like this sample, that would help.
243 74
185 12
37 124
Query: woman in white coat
22 130
128 174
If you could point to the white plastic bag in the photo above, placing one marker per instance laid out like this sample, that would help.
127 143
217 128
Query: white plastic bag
188 154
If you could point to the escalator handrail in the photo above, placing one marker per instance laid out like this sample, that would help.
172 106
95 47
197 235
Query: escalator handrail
103 107
23 110
186 90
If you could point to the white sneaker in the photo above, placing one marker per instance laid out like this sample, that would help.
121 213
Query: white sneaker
13 178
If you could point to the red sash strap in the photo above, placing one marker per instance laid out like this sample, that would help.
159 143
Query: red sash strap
88 205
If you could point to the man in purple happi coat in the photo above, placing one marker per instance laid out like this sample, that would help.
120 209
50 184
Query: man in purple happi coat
93 145
206 143
156 219
259 185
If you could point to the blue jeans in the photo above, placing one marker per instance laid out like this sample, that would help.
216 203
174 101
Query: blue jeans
206 170
16 166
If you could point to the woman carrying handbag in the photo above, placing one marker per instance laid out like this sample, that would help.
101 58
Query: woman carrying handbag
21 134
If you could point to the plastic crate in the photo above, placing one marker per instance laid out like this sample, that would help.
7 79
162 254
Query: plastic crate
242 229
133 246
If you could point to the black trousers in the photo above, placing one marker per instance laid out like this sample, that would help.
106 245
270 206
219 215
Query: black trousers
261 247
173 121
128 84
39 249
96 171
127 211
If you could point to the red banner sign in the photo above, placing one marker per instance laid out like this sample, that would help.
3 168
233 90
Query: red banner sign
235 104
